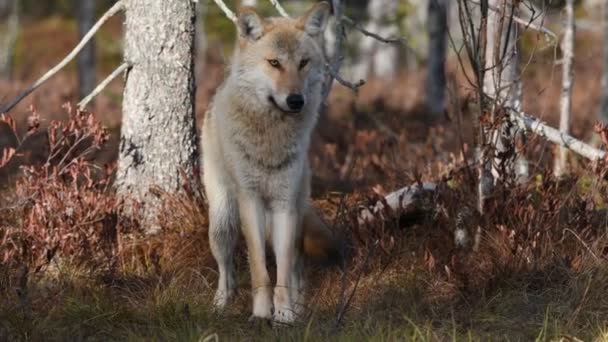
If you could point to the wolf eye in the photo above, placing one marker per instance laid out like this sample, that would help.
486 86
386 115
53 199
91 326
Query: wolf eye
303 63
274 63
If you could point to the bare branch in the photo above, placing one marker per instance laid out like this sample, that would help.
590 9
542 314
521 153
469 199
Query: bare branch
279 8
102 85
358 27
226 10
555 136
336 75
526 24
335 62
118 6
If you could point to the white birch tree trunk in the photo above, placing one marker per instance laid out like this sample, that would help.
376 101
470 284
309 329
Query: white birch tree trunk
158 138
561 160
9 41
502 82
86 58
435 83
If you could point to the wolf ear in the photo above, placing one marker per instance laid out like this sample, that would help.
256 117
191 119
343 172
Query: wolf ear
249 24
315 20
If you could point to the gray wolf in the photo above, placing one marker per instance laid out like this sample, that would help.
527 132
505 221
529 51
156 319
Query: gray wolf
255 139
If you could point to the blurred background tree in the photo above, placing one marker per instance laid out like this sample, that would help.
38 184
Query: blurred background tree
86 59
9 14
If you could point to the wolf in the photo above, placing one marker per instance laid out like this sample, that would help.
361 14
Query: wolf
255 139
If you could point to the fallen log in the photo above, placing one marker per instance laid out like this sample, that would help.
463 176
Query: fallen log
397 201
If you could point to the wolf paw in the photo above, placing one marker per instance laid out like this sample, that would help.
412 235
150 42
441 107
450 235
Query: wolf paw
262 303
220 301
284 317
258 322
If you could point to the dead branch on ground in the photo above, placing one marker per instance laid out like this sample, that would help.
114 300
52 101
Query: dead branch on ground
395 201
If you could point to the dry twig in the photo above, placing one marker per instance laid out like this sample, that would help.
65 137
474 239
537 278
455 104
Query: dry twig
124 66
541 128
226 10
118 6
279 8
358 27
526 23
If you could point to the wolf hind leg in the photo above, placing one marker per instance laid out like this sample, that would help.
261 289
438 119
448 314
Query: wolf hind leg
223 235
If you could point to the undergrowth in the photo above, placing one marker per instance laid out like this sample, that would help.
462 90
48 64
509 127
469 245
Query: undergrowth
75 266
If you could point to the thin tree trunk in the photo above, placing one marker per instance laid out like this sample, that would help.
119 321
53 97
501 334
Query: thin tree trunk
476 42
9 42
503 84
158 138
502 80
492 74
604 101
561 160
437 27
86 58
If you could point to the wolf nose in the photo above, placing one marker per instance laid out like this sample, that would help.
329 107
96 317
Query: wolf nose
295 101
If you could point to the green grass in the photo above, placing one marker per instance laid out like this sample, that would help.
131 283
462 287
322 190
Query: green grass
177 308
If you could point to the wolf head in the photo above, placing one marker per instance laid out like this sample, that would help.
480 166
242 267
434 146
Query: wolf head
279 61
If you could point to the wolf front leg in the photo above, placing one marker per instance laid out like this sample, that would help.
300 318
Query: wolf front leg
253 226
284 232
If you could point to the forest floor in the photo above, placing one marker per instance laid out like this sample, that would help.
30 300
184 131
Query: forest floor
540 272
